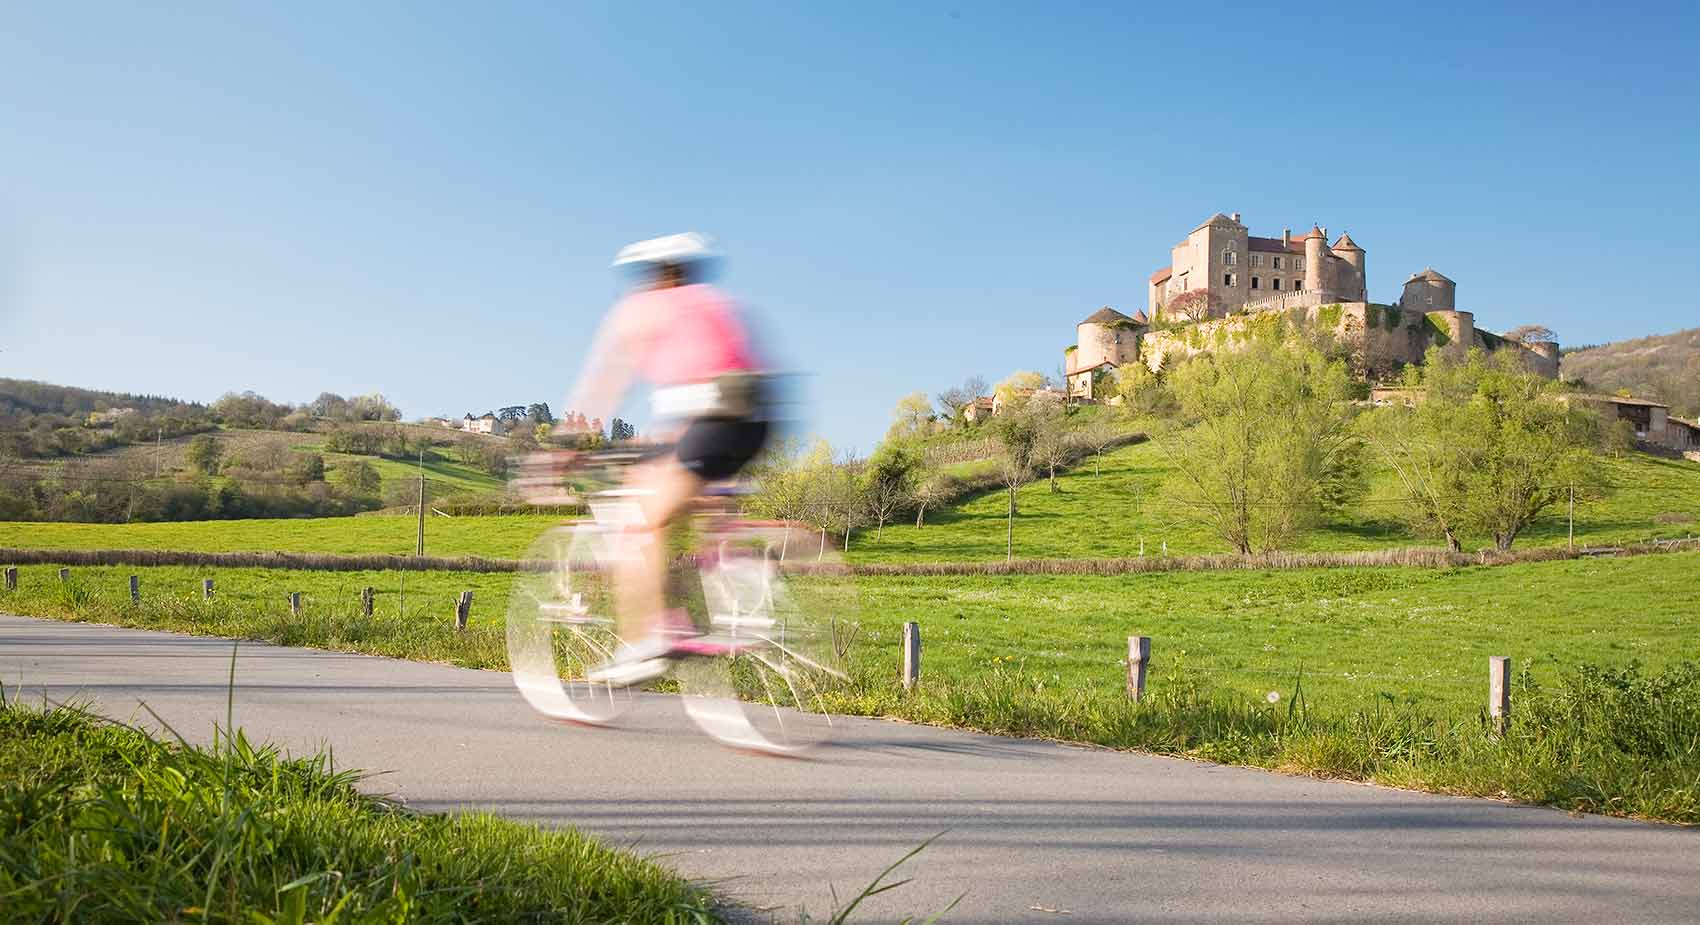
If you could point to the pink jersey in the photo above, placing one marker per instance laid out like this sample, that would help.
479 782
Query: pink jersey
696 335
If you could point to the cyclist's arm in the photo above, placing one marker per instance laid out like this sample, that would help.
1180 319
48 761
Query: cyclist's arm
610 368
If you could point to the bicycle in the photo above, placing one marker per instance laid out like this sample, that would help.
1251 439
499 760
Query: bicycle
769 690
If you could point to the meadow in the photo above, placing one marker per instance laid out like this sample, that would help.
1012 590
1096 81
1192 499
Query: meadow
1353 635
506 536
1119 509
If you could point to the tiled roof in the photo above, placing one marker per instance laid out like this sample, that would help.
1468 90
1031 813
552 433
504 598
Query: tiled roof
1346 243
1162 274
1620 400
1429 273
1104 315
1293 245
1087 369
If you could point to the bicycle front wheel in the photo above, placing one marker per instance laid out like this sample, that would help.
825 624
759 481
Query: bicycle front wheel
561 625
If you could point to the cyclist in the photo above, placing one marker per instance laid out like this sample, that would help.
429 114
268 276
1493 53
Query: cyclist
684 338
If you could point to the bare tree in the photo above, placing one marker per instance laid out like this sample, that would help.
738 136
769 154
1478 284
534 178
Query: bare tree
1052 447
1531 334
1099 436
951 400
930 490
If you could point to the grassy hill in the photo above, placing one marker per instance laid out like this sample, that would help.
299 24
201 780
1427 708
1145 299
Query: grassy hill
1112 513
1665 367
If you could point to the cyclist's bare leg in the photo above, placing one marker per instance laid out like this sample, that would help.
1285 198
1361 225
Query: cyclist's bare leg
642 579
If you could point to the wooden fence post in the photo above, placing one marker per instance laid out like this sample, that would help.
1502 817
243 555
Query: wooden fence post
1499 692
911 665
11 578
1138 655
366 601
206 589
463 609
64 574
135 589
295 602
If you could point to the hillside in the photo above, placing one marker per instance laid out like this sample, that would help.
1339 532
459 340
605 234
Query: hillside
1122 510
1665 367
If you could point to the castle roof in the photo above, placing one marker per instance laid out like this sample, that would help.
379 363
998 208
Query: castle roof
1316 232
1087 369
1105 315
1217 219
1139 317
1292 246
1346 243
1429 273
1162 274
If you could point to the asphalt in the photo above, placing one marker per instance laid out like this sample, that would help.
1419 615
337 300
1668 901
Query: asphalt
1033 831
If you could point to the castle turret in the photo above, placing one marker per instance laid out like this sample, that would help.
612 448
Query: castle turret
1348 250
1429 291
1315 244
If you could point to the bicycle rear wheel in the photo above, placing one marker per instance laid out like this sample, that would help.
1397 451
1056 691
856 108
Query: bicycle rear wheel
561 625
775 694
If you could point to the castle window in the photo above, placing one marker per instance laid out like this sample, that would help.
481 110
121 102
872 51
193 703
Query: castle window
1228 279
1229 257
1254 282
1277 264
1257 260
1275 283
1298 264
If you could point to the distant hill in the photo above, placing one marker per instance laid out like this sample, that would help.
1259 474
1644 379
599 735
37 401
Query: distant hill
1665 367
28 397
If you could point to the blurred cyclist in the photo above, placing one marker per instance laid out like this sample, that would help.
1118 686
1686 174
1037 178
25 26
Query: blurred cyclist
683 336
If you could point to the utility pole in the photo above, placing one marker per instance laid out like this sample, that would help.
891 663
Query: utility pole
420 551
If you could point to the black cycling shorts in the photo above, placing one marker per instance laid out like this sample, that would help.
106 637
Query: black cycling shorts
718 448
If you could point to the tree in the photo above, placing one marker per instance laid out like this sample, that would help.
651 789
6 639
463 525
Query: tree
539 413
888 480
1015 387
203 455
911 417
305 468
511 413
329 405
1531 334
1017 431
1144 394
360 477
1052 444
619 430
950 402
1489 447
1270 446
1098 436
1191 305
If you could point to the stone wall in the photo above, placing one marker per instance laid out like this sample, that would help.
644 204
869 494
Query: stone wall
1382 338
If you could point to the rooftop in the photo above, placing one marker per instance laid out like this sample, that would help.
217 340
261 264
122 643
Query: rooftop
1105 315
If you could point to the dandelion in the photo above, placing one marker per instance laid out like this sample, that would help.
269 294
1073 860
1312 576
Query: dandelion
1273 696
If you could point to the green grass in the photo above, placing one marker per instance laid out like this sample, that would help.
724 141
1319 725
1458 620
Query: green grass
1379 673
491 537
1112 512
101 823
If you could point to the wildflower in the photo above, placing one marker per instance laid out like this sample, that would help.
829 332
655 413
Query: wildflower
1273 696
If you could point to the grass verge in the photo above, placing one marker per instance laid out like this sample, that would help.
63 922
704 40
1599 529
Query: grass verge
101 823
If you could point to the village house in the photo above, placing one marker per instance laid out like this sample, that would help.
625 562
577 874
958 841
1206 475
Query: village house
486 423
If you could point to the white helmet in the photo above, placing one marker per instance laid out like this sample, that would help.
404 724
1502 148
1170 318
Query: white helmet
673 248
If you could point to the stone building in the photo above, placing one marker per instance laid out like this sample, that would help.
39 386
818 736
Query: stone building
1235 269
1234 279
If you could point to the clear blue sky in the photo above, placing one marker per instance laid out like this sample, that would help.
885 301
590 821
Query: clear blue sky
422 199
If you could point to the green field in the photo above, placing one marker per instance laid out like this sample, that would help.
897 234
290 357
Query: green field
1414 634
1115 512
490 537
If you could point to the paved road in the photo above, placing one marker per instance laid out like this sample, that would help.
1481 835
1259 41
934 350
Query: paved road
1037 831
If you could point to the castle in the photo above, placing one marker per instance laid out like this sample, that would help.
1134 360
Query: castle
1221 278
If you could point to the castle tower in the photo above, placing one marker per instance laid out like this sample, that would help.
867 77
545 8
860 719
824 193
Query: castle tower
1315 246
1346 249
1429 291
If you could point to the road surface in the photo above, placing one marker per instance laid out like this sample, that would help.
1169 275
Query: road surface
1035 831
